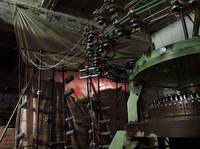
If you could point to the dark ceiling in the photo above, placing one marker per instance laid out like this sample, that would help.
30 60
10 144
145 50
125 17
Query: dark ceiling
82 8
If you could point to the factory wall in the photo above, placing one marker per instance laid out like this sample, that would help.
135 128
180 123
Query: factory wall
172 33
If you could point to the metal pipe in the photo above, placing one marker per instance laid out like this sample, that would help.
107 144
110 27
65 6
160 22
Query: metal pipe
91 104
196 22
184 25
52 128
151 16
65 104
125 92
126 18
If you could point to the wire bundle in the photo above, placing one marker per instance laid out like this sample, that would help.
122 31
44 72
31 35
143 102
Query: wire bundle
44 45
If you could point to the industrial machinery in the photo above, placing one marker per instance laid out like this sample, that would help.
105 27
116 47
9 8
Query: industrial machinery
164 99
124 47
164 83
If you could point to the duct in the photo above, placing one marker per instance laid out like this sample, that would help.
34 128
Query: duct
172 33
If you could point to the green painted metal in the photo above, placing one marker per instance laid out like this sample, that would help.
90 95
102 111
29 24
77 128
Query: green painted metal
177 50
132 102
119 54
140 10
144 10
122 141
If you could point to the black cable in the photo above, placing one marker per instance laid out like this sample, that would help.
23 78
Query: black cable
190 18
184 24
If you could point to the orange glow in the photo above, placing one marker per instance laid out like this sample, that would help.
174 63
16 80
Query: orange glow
80 85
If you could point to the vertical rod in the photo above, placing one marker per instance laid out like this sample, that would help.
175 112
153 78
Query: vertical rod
100 117
125 92
184 25
91 104
88 91
196 22
38 107
65 105
116 90
19 74
52 109
99 94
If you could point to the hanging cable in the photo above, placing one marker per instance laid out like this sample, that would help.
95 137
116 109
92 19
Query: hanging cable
38 107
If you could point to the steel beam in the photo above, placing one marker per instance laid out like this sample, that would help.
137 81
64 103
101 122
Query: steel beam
196 22
7 9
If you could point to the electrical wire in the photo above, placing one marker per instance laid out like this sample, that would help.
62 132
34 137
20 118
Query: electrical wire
28 55
50 60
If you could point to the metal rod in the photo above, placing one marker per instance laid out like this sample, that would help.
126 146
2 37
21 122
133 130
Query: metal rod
91 104
98 91
196 22
125 93
153 15
184 25
52 109
38 107
190 18
116 90
65 105
126 18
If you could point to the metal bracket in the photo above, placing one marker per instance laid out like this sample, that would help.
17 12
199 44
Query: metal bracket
90 72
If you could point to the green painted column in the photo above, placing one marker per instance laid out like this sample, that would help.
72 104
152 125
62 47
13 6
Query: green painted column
122 141
132 102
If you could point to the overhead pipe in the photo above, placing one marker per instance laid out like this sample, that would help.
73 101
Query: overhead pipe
185 30
126 17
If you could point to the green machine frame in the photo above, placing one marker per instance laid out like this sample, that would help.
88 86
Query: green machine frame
171 52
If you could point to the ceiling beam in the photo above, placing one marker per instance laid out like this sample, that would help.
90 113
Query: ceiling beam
7 9
49 4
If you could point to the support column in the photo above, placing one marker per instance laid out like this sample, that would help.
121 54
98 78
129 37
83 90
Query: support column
135 91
